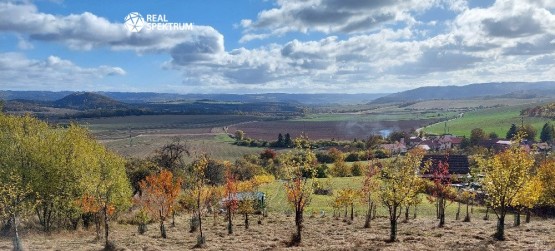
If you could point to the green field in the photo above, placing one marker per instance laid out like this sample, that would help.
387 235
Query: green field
276 199
496 120
375 117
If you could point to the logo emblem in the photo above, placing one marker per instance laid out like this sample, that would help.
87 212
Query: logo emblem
134 22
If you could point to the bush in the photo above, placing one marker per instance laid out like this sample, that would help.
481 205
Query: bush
323 188
322 171
356 169
324 157
354 156
380 154
341 169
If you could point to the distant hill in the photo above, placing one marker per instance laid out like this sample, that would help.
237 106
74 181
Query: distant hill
88 101
152 97
510 89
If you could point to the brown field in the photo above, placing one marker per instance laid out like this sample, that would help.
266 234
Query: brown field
342 130
321 233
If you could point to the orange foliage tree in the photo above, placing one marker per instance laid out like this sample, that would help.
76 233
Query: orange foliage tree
160 192
230 201
299 188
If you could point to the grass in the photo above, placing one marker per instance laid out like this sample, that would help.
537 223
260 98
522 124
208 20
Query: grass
217 146
376 117
277 202
496 120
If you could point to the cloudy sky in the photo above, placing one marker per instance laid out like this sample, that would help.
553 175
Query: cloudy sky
256 46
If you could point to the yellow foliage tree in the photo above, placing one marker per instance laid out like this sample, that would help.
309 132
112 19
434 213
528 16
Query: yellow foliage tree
399 182
506 175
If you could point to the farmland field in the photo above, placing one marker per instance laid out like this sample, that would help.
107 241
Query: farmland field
496 120
343 130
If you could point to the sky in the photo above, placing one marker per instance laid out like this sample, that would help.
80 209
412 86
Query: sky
265 46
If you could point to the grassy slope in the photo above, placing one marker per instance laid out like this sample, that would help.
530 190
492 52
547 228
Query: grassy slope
497 120
277 202
386 116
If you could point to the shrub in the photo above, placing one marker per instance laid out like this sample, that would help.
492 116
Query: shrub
324 157
354 156
356 169
341 169
322 171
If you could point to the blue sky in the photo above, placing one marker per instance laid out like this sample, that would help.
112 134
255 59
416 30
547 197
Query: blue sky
248 46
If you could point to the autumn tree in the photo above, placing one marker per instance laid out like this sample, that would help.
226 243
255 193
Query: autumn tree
160 192
441 188
230 202
239 135
528 132
137 170
527 198
370 185
170 156
476 136
546 173
298 187
246 204
398 183
200 191
506 175
15 201
467 196
347 198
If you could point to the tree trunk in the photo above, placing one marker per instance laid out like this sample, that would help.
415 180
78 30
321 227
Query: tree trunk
368 215
467 217
486 217
173 218
527 216
375 211
229 222
393 224
106 227
517 219
163 230
352 212
500 233
457 216
97 225
246 221
437 208
17 246
441 212
407 213
299 225
414 214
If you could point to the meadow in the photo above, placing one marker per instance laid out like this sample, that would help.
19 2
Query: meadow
496 120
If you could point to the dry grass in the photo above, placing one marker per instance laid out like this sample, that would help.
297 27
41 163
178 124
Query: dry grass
324 233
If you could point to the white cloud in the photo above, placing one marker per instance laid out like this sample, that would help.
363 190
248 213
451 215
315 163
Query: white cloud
511 40
331 16
52 73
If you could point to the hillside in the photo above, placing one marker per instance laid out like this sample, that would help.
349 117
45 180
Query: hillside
543 111
88 101
512 89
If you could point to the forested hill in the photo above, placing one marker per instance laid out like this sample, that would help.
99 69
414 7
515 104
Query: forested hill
544 111
512 89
